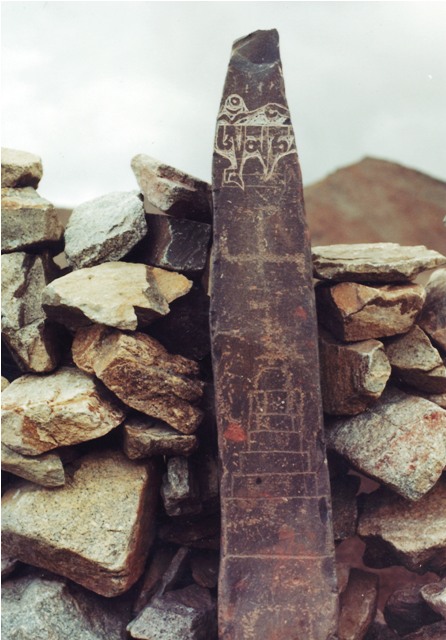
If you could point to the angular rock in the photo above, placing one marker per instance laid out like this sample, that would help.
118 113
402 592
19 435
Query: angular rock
205 565
185 614
433 316
30 338
118 294
416 361
46 469
174 571
400 532
145 437
400 441
354 312
358 605
374 262
198 532
142 374
436 631
95 530
157 567
406 611
180 489
435 596
171 190
40 413
20 169
104 229
29 222
345 509
40 608
174 244
352 375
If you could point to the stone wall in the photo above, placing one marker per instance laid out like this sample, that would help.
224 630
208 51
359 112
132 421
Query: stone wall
109 446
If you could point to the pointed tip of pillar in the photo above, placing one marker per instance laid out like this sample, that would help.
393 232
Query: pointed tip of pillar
259 47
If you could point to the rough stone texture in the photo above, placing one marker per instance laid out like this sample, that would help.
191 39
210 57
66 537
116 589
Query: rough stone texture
354 312
345 509
118 294
400 441
185 614
40 413
171 190
43 608
435 631
378 631
417 362
104 229
277 570
433 315
399 532
20 169
174 244
198 532
352 375
175 571
142 374
435 596
157 567
31 340
144 437
205 565
358 605
95 530
406 611
436 398
9 565
180 490
46 469
29 222
378 262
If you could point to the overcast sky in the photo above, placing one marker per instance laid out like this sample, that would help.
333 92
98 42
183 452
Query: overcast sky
88 85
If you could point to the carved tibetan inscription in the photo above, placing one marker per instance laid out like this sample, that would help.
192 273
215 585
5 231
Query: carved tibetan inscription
277 577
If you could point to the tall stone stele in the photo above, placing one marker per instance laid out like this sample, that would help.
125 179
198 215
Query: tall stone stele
277 576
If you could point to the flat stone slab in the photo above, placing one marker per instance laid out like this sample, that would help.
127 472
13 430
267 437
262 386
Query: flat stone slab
118 294
29 222
180 489
374 262
358 605
145 437
400 441
96 530
20 169
433 316
104 229
40 413
46 469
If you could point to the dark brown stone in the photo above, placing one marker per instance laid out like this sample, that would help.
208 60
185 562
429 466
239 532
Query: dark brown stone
345 509
406 610
277 570
358 605
433 316
204 566
436 631
202 532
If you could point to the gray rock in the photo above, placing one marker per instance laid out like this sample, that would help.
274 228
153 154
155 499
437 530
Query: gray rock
145 437
104 229
5 383
180 489
205 566
433 315
20 169
435 596
436 631
46 469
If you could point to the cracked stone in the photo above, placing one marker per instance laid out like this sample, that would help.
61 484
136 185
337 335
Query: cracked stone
145 437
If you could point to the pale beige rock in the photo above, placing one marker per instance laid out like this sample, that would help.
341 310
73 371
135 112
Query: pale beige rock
416 361
352 375
433 315
435 596
400 441
144 437
96 530
29 222
40 413
5 383
437 398
374 262
354 312
409 533
46 469
142 374
358 604
118 294
20 168
30 338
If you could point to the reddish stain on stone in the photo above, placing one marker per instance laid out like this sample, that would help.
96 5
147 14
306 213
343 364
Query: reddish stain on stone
235 432
301 313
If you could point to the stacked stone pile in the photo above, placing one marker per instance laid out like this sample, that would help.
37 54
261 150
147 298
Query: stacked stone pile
110 508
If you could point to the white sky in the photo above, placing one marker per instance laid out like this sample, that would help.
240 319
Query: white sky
88 85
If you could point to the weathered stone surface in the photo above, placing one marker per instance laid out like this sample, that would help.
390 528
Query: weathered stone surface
435 596
198 532
352 375
9 565
436 631
378 631
345 509
157 567
29 222
142 374
175 571
358 605
406 611
399 532
185 614
40 413
400 441
277 570
174 244
180 490
46 469
354 312
433 315
104 229
436 398
171 190
416 361
20 169
30 338
375 262
36 608
119 294
145 437
204 565
95 530
5 383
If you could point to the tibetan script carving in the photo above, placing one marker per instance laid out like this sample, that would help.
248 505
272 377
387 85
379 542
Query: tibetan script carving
277 577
